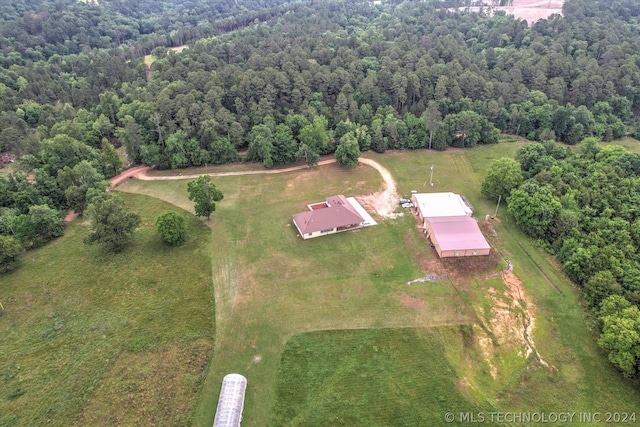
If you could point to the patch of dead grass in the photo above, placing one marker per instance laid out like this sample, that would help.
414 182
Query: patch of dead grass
158 387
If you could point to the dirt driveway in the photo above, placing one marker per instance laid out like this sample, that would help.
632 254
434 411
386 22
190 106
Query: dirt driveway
384 202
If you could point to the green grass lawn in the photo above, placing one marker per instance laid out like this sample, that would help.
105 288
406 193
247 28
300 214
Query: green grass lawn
270 284
95 339
373 377
275 291
327 331
629 143
562 335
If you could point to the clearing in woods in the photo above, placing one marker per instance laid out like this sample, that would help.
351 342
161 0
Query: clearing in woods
528 10
271 286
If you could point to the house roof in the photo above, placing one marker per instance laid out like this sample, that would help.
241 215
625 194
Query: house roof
432 205
457 233
339 213
340 200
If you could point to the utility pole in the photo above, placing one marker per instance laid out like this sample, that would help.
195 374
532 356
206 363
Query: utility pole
498 205
431 179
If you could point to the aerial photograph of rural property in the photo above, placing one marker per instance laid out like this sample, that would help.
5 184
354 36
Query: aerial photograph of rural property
319 213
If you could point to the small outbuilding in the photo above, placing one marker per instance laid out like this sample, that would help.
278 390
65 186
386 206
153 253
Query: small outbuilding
231 401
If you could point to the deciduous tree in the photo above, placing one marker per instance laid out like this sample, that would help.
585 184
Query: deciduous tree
112 224
503 175
348 150
10 250
204 193
46 223
172 228
621 334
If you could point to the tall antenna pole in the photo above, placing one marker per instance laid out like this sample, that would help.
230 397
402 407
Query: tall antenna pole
498 205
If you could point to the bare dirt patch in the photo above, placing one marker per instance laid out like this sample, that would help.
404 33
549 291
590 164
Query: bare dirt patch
516 291
528 10
71 215
408 301
460 270
511 320
383 202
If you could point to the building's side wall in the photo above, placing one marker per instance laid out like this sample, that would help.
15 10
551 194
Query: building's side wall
317 234
477 252
414 200
429 230
461 253
321 233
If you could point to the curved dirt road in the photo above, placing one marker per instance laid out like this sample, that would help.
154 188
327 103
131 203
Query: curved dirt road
141 174
135 172
384 202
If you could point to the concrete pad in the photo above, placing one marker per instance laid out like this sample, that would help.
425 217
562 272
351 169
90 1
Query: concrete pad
368 220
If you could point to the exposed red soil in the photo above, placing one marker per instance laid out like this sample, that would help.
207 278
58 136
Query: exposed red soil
71 216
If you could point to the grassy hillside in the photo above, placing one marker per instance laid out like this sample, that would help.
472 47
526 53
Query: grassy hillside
91 339
372 377
325 330
272 287
562 332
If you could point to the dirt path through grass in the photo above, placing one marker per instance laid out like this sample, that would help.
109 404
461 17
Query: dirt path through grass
384 202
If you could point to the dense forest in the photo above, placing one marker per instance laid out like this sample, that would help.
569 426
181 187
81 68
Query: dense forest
39 29
276 82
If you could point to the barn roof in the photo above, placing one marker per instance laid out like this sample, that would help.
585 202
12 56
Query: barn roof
458 233
433 205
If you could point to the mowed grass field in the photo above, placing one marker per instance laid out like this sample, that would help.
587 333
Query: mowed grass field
372 377
327 331
579 378
273 291
271 285
93 339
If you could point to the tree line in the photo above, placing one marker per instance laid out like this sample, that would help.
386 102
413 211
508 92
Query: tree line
583 206
401 76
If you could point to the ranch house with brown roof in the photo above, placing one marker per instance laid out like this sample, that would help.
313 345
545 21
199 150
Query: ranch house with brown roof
334 215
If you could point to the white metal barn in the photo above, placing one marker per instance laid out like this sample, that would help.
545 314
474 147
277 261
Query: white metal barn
231 401
446 219
432 205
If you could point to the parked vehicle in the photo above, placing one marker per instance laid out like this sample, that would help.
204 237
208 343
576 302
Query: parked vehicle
403 201
407 205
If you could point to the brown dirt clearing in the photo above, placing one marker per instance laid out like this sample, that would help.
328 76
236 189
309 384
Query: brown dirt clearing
383 202
408 301
528 10
512 319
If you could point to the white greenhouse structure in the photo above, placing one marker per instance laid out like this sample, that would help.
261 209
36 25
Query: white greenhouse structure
231 401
